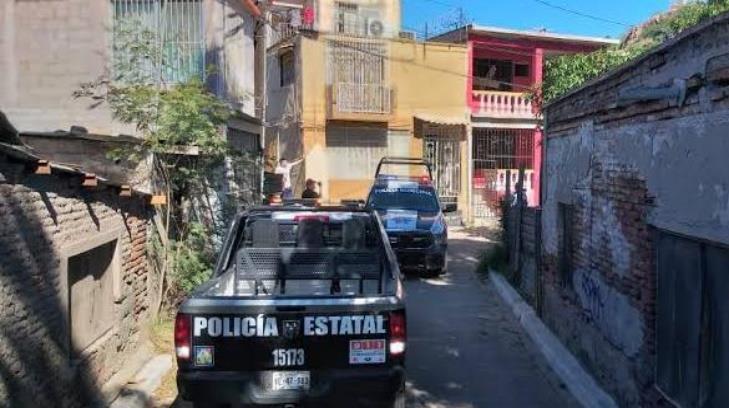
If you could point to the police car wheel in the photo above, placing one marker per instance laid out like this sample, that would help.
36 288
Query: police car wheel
399 400
206 405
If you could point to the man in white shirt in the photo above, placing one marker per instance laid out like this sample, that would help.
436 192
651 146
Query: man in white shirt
284 169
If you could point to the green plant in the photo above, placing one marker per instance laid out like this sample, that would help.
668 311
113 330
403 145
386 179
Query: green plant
181 126
567 72
496 258
193 258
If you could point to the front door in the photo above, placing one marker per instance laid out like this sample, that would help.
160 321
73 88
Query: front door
444 155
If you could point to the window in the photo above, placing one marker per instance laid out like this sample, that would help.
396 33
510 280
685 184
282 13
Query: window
566 221
692 325
521 70
493 74
348 21
287 67
91 281
174 30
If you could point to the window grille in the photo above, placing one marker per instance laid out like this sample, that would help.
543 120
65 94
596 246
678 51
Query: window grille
173 32
357 71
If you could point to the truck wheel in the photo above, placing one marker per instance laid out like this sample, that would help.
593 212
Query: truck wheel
399 400
206 405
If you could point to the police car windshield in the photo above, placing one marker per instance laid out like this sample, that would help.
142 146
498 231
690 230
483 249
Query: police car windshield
421 199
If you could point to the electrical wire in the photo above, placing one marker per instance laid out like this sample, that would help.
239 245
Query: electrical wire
582 14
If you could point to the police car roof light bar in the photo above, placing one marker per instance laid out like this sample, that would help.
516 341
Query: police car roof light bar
406 161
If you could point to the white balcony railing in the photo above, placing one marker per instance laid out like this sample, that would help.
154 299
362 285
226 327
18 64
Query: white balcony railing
283 31
503 104
363 98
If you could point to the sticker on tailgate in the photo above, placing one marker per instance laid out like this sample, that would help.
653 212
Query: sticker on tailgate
367 351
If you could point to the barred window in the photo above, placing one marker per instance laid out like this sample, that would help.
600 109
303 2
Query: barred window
168 36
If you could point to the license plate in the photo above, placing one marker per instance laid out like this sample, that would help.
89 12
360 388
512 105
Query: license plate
291 380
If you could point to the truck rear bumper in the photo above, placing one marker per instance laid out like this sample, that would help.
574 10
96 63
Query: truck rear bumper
374 386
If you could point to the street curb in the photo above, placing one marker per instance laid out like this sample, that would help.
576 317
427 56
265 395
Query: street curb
577 380
138 393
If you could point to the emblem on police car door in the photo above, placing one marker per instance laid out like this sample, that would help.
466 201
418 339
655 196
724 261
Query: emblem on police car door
291 329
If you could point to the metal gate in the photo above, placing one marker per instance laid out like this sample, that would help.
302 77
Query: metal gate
498 154
444 154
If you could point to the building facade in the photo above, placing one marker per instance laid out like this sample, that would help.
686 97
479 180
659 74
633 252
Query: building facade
48 48
77 290
348 89
505 66
635 223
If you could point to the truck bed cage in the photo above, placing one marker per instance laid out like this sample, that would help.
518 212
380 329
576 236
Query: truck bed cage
285 264
404 161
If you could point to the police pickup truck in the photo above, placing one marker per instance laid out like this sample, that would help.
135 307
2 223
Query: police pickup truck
305 309
412 214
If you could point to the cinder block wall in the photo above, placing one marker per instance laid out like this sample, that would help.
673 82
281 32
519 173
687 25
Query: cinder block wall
626 171
43 219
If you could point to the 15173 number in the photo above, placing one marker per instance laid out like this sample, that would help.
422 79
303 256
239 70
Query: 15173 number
288 357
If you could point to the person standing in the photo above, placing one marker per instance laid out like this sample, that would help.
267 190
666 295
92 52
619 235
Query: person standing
310 192
284 169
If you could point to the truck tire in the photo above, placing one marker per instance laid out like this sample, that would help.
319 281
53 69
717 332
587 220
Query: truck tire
399 400
206 405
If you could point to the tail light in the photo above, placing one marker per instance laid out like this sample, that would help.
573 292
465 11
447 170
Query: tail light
182 336
398 332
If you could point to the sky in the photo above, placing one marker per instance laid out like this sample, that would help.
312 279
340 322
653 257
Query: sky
534 14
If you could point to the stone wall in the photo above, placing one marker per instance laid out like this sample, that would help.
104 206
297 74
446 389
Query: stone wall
627 168
45 219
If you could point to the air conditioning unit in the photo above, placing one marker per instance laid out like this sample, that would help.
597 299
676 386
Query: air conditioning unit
373 24
407 35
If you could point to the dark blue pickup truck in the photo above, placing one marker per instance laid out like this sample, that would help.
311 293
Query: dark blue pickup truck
305 309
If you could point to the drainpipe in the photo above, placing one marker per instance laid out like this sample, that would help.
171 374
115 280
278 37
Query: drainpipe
260 79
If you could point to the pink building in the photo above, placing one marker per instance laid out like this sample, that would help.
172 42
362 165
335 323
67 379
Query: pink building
505 65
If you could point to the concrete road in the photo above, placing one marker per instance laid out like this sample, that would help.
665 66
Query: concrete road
465 347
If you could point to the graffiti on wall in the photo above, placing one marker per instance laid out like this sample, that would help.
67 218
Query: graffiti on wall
593 304
609 311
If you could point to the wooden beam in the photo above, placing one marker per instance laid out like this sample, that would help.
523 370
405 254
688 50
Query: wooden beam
125 191
90 180
43 167
158 200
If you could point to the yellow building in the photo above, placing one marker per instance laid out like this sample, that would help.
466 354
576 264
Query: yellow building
343 98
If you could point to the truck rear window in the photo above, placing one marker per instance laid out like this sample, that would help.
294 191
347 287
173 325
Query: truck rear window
314 254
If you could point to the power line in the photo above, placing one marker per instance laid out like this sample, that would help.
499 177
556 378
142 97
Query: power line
582 14
441 3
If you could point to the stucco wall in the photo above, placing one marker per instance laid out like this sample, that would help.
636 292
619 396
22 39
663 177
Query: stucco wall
625 169
389 9
49 47
427 79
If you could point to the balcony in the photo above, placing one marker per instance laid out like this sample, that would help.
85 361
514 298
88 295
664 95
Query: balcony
360 101
503 105
283 31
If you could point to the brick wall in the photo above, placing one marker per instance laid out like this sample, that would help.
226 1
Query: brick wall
626 169
41 219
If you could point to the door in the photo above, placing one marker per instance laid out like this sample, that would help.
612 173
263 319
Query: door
444 155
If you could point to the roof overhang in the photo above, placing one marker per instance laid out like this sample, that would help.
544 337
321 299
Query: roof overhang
429 125
541 35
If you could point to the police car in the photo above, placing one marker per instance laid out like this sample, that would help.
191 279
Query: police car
412 215
305 309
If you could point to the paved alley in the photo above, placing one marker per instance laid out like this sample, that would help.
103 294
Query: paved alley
465 347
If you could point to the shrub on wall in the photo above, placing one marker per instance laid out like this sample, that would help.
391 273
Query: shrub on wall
567 72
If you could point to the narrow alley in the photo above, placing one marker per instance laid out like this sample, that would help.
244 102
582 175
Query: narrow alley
466 348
